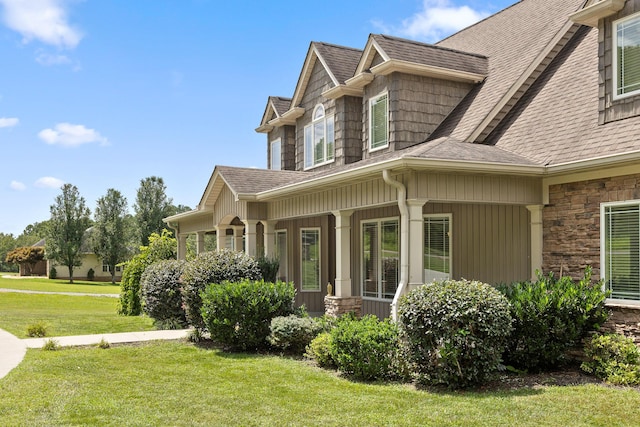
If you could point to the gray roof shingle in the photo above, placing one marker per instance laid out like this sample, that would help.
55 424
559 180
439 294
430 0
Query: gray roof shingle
341 60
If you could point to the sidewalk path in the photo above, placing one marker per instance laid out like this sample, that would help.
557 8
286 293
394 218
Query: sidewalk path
76 294
13 349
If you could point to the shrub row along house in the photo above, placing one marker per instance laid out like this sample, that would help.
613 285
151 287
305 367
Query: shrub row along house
508 147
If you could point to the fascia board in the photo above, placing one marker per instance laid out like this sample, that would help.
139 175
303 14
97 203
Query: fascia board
395 65
591 14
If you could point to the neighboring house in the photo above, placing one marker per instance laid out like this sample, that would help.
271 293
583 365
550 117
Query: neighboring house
509 147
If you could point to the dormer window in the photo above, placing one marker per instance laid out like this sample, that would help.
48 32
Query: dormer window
626 64
319 139
379 122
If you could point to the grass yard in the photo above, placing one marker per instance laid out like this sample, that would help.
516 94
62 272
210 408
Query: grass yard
178 384
48 285
66 315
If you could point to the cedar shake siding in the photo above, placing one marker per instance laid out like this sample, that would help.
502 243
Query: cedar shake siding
287 135
610 109
571 222
348 130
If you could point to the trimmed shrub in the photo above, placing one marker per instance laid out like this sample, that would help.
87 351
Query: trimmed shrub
213 267
551 316
268 268
91 274
37 330
162 301
613 358
160 247
238 315
454 331
319 350
364 348
292 333
53 273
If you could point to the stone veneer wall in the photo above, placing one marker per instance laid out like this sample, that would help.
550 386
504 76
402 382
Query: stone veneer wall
571 224
337 306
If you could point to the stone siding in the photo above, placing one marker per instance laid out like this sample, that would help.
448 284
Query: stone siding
625 321
337 306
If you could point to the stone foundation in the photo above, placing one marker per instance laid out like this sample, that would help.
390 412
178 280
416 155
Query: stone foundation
624 320
337 306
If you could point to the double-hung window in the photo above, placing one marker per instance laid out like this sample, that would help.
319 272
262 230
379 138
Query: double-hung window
310 257
620 252
276 159
626 63
437 248
282 254
319 139
380 258
379 122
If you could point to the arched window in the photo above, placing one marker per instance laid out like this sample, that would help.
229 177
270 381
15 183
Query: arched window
319 142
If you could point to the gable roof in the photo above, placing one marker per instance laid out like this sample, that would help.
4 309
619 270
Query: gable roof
520 41
276 105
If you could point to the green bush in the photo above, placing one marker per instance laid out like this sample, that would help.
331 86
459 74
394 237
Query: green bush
213 267
37 330
160 285
613 358
53 273
238 315
51 345
91 274
292 333
319 350
160 247
268 268
364 348
454 332
551 316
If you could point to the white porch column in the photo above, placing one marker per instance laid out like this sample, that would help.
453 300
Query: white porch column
342 286
250 235
416 243
537 238
200 242
182 246
237 237
221 235
269 238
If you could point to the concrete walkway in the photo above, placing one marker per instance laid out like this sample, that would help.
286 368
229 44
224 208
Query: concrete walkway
76 294
13 349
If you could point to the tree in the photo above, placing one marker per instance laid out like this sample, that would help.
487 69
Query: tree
32 234
152 205
68 223
28 255
109 232
7 244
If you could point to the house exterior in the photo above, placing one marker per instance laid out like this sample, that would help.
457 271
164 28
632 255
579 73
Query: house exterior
509 147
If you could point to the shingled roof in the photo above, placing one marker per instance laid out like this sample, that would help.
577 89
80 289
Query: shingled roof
341 60
428 54
513 40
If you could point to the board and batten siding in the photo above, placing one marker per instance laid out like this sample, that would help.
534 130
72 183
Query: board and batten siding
198 223
440 187
313 301
490 243
227 207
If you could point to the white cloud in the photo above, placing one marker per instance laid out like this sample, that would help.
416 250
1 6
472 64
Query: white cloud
44 58
49 182
438 19
69 135
43 20
17 185
7 122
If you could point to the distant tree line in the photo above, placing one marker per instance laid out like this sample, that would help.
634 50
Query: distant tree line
113 234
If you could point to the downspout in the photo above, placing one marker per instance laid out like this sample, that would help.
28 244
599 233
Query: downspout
404 240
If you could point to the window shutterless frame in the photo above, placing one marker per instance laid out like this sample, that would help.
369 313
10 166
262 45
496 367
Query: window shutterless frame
379 122
380 258
626 56
276 154
319 139
310 261
437 259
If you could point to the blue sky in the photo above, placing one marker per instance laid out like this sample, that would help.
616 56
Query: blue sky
103 93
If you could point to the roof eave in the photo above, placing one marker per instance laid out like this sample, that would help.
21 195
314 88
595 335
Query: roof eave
343 90
591 14
395 65
594 163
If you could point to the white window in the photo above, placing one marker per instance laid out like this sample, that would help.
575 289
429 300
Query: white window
437 248
378 122
626 62
282 254
620 253
310 257
107 269
276 158
380 258
319 139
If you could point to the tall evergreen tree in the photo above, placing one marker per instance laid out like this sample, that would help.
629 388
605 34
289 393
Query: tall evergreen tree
151 206
68 223
109 235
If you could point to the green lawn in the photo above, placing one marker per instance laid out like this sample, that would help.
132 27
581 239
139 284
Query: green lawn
178 384
48 285
66 315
